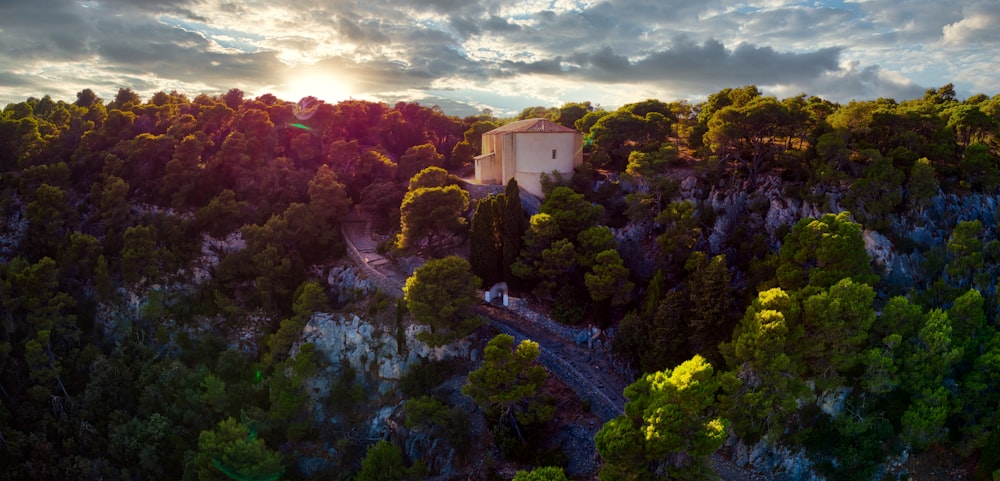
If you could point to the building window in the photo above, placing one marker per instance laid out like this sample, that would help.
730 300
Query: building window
553 153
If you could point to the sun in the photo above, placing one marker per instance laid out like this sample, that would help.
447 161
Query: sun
328 86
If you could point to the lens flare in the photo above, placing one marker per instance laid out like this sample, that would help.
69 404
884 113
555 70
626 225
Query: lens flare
306 108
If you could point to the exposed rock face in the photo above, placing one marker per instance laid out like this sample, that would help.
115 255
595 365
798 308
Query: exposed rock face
372 352
779 463
766 206
346 284
832 402
379 361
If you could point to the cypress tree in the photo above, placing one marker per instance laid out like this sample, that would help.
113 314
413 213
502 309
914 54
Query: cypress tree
513 225
485 241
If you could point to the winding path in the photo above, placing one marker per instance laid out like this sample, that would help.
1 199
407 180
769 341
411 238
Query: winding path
588 372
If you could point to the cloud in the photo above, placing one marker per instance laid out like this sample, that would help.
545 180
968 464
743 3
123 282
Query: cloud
691 66
978 26
855 82
541 50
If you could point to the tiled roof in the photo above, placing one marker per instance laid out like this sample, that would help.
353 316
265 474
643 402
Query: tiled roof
532 125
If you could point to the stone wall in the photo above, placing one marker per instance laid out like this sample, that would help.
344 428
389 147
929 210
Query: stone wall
378 279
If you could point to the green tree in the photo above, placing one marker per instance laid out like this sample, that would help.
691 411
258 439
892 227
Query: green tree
930 360
593 241
571 211
658 339
965 249
744 134
382 462
47 215
837 323
461 155
547 473
233 451
968 323
570 112
139 254
875 196
432 215
680 232
670 428
328 199
485 239
417 158
440 294
555 267
514 226
609 280
508 384
821 252
766 384
436 418
432 177
712 313
922 186
647 170
979 168
223 214
980 396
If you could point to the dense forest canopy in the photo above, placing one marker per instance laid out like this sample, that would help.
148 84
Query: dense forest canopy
727 245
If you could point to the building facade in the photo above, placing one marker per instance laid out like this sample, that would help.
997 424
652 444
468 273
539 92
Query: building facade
523 150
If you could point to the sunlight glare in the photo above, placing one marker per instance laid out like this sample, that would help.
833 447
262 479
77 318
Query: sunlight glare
327 86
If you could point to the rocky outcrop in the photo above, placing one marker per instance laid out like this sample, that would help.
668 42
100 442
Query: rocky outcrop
379 356
766 206
347 284
373 352
779 463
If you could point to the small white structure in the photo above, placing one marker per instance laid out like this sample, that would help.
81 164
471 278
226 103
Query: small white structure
498 291
525 149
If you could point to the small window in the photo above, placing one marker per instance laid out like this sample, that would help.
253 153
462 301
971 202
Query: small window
553 153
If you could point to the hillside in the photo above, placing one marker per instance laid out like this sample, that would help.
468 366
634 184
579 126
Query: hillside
223 287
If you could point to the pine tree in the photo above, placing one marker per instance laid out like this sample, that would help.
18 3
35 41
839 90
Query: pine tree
671 426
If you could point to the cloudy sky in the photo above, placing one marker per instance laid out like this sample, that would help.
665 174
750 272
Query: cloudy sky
466 55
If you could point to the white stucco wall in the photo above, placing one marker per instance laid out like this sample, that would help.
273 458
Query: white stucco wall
487 169
534 156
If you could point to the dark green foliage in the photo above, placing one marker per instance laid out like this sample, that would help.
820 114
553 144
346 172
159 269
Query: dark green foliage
427 413
712 311
680 233
763 390
508 385
845 451
485 240
433 216
114 318
876 195
232 451
548 473
671 424
821 252
514 226
417 158
383 462
922 185
440 295
422 377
